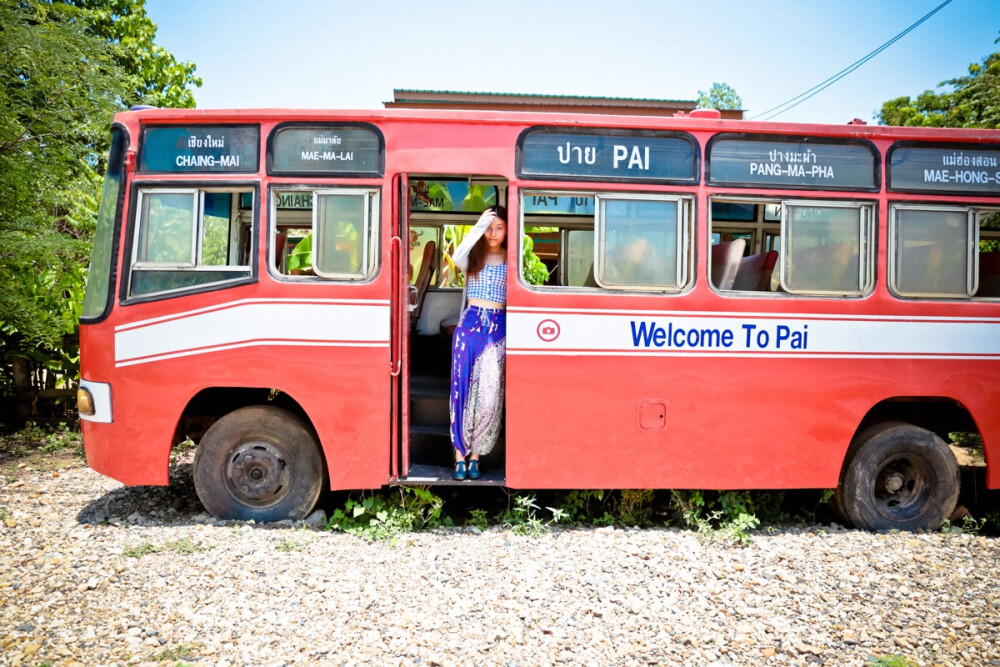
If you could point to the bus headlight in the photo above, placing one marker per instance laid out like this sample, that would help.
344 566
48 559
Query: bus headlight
85 402
94 401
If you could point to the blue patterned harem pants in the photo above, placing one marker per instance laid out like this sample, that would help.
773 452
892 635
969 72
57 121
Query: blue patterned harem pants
477 380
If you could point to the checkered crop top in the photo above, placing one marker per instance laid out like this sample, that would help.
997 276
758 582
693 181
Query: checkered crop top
490 284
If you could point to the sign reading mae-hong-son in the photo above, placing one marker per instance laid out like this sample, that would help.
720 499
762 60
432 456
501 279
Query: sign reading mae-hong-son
781 162
200 148
326 149
959 169
665 157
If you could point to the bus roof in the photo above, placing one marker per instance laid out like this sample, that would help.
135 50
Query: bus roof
687 123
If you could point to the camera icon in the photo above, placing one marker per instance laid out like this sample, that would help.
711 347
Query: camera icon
548 330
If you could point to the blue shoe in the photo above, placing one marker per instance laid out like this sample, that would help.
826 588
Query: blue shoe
473 469
460 470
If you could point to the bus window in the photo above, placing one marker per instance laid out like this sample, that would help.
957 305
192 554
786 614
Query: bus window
329 233
826 248
989 254
578 260
944 251
638 242
419 238
641 239
189 238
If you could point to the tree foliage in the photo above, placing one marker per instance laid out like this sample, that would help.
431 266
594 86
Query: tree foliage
155 76
65 69
720 96
972 101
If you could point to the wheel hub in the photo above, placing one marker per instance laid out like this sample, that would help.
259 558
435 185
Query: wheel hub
902 486
894 482
257 474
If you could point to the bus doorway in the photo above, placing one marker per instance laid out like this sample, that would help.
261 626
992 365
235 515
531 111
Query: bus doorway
435 213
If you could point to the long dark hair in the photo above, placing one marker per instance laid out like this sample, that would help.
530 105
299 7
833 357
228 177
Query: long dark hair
477 256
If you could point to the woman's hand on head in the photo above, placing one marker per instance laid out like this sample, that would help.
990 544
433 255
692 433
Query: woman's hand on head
486 218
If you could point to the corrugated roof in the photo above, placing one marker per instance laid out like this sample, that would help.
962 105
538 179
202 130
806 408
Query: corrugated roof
401 95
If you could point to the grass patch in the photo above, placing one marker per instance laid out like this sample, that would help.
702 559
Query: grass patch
294 543
384 517
183 547
894 660
175 653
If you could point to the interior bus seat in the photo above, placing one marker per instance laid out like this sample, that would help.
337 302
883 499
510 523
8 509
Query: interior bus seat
423 281
831 267
754 273
279 249
989 274
726 262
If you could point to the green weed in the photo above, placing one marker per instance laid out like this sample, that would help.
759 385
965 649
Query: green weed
730 514
893 660
183 546
378 517
295 543
522 518
175 653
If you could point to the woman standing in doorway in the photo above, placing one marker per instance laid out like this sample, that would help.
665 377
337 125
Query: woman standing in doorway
479 347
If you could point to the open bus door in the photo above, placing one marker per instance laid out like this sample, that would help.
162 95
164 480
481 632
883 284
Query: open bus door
431 306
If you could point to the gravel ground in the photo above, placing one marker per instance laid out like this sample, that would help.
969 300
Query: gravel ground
217 593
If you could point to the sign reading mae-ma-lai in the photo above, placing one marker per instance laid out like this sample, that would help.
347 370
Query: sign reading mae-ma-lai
200 149
327 149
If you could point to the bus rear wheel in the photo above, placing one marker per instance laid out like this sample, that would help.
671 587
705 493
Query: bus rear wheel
261 463
901 477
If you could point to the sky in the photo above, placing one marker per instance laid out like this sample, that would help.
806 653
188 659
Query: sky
352 54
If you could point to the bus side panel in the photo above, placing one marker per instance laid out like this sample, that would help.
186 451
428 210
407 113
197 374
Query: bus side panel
728 423
594 422
343 391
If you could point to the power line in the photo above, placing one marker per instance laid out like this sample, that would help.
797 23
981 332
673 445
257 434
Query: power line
819 87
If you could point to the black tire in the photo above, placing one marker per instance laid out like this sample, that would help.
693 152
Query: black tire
900 477
262 463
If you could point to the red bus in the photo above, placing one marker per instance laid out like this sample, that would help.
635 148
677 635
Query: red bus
693 303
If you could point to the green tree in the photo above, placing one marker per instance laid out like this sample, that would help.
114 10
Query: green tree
155 76
973 101
720 96
64 72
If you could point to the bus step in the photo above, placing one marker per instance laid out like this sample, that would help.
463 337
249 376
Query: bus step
429 402
442 476
431 445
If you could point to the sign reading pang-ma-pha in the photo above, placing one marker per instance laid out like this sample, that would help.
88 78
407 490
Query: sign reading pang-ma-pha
804 163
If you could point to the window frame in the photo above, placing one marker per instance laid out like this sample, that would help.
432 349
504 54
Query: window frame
973 214
686 209
866 251
246 273
680 256
371 261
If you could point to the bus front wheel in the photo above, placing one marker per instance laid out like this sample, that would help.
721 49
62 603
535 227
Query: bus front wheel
260 462
901 477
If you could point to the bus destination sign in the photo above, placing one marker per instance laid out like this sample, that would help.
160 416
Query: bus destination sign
780 162
326 149
955 169
200 149
661 157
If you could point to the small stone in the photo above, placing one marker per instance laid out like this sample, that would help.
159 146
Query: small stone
316 520
768 652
